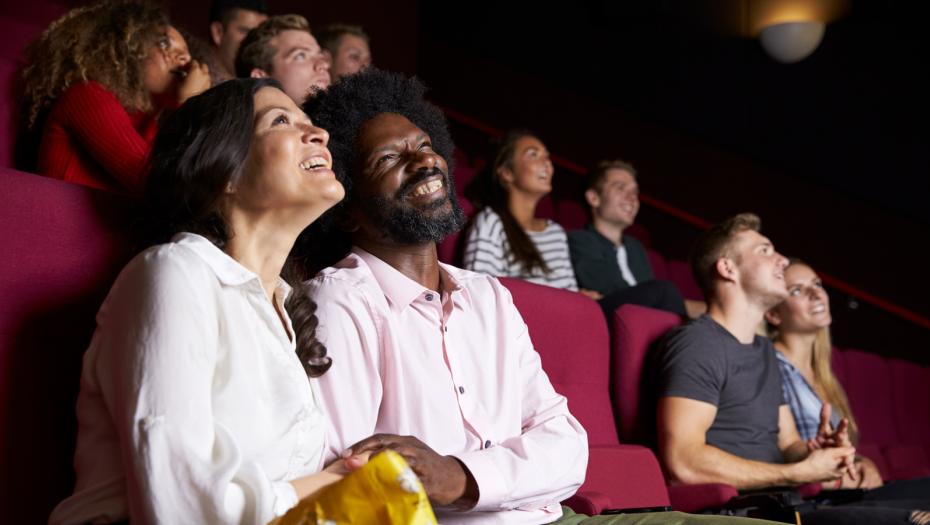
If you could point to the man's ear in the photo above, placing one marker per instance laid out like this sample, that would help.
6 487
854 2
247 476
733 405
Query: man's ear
258 73
594 200
773 317
726 268
216 32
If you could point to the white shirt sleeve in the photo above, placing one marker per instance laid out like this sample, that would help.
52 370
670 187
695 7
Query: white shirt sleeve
153 357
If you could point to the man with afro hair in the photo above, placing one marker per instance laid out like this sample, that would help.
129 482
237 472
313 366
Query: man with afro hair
429 360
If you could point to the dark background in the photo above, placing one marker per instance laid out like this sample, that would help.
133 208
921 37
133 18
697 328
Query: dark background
831 151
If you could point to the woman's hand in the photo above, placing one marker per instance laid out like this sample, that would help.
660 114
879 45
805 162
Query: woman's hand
195 81
591 294
330 474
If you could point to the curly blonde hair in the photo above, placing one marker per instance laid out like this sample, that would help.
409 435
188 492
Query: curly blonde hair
105 42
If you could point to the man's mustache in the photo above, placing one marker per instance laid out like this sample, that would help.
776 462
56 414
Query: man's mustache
417 178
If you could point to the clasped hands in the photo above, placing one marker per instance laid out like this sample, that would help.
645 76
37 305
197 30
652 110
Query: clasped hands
446 480
857 472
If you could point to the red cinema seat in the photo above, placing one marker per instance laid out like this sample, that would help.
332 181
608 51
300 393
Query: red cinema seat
641 233
9 70
63 245
911 401
869 390
658 264
679 272
570 214
635 331
570 333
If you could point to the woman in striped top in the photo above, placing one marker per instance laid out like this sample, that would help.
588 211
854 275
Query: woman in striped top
506 239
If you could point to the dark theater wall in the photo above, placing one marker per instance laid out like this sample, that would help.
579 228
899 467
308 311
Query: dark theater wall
832 152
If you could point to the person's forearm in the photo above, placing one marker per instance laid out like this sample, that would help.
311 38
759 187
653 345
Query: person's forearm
795 452
708 464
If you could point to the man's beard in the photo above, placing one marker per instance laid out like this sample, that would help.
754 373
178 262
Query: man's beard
407 224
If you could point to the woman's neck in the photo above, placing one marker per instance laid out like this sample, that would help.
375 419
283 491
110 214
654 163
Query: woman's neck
799 349
261 245
523 208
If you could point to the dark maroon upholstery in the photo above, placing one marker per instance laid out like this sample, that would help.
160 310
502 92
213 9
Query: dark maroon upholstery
658 264
640 233
911 396
63 245
679 272
570 334
635 330
869 390
571 214
9 69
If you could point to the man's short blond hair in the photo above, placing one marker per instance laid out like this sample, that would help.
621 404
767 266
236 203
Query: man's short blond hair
714 244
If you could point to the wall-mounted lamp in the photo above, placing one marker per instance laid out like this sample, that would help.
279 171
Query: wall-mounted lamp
790 42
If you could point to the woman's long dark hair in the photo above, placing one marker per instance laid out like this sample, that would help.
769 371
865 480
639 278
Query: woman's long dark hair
200 148
486 190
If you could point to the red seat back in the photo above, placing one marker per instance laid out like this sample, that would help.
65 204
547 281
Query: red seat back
570 333
679 272
570 214
635 330
658 264
869 390
63 245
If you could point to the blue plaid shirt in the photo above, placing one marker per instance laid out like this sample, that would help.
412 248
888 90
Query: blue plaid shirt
803 400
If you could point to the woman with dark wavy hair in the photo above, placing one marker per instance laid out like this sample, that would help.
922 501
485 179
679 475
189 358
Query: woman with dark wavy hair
97 81
195 402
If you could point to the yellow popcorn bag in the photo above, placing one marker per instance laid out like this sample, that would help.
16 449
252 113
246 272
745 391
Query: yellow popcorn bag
385 490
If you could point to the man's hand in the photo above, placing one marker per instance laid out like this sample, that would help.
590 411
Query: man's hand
445 479
822 464
591 294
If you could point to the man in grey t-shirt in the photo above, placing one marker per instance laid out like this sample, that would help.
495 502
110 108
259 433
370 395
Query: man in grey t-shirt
721 415
703 361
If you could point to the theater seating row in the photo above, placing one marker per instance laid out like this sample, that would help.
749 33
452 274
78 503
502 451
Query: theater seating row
63 245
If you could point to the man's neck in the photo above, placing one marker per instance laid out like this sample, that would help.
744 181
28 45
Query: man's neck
222 71
418 262
612 231
740 317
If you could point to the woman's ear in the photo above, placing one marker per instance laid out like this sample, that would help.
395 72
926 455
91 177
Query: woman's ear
504 176
230 188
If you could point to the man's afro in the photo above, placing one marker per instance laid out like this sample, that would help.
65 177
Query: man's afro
354 100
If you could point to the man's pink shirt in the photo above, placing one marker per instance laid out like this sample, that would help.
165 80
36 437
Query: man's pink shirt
456 370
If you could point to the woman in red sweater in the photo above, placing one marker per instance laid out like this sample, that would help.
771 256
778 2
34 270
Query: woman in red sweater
98 79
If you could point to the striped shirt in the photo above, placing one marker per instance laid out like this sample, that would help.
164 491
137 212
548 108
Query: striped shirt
488 251
804 402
